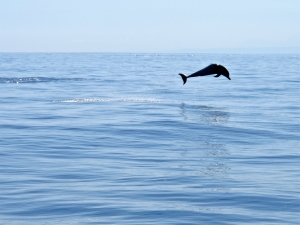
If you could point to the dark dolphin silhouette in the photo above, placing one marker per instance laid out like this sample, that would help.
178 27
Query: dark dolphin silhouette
211 69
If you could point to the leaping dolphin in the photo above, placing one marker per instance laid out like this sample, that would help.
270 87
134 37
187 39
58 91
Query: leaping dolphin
211 69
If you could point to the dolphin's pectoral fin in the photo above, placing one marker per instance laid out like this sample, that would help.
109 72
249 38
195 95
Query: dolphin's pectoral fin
217 75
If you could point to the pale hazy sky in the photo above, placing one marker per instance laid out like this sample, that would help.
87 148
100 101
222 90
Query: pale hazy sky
147 25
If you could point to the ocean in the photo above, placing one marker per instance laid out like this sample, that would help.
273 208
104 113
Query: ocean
116 138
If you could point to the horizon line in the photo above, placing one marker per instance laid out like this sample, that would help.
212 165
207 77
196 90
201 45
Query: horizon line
256 50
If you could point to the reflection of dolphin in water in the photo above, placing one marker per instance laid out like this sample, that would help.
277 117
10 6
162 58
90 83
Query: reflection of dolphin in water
216 116
206 147
211 69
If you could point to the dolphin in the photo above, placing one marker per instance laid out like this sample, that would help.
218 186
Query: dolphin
211 69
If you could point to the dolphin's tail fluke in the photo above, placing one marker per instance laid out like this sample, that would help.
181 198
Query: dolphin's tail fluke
184 77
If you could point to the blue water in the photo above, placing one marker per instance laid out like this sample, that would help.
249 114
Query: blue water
94 138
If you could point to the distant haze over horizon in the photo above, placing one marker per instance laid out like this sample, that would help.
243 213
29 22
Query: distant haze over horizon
244 50
188 51
249 26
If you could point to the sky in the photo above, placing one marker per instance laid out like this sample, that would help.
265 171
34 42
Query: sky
148 25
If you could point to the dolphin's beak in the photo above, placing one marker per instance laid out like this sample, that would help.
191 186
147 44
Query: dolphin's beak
228 76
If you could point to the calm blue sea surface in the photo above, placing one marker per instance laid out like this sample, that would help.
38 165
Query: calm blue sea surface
94 138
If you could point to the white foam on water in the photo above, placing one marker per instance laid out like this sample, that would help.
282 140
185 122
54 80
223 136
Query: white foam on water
111 100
